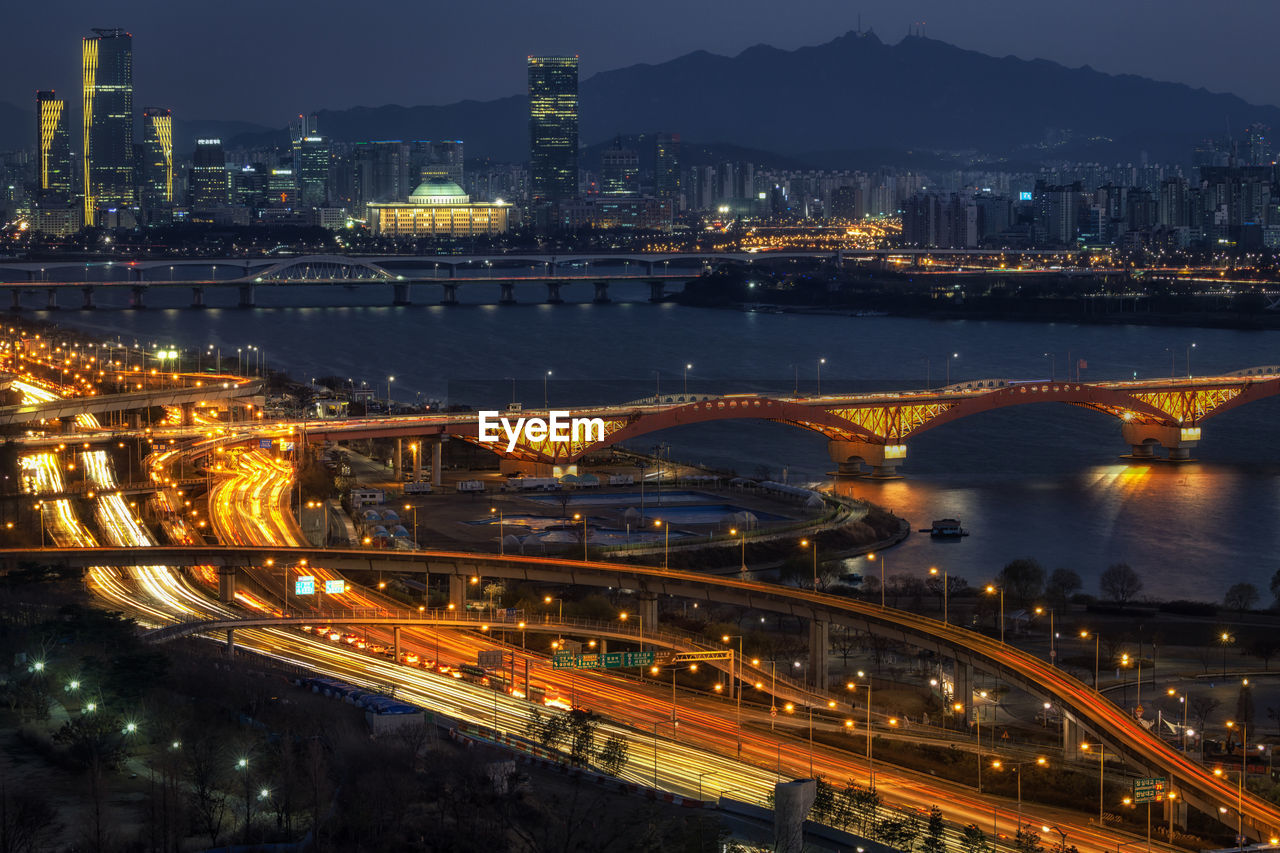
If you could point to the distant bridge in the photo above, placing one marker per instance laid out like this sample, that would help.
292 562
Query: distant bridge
183 397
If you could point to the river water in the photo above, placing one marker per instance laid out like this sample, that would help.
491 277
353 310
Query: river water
1042 481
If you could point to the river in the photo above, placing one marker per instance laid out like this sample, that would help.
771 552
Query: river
1041 481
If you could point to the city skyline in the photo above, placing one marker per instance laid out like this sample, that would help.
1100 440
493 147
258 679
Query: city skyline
1180 45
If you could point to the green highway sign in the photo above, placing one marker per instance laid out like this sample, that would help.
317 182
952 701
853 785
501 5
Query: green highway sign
1149 790
611 660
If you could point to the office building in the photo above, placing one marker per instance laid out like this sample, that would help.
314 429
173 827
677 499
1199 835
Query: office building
666 166
107 75
209 186
311 163
553 128
157 157
438 208
619 170
53 146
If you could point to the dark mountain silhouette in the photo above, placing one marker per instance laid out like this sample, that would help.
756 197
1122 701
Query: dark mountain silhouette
852 100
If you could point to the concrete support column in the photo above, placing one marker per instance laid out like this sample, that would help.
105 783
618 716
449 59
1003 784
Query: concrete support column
1143 451
417 459
1070 736
508 296
401 294
248 298
553 293
962 682
87 300
226 584
458 592
437 464
657 291
1178 808
602 293
15 296
647 607
791 804
1179 441
137 297
819 652
197 297
188 413
450 292
395 643
53 299
849 457
231 642
67 423
397 461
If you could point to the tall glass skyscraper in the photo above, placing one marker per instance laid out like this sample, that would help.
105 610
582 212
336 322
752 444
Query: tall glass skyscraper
53 145
157 164
107 63
553 128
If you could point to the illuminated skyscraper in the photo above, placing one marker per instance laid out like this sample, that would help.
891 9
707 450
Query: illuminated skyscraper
619 170
209 188
553 128
311 164
53 145
666 168
157 164
107 64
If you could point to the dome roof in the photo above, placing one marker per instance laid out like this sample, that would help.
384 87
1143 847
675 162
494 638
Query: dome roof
439 191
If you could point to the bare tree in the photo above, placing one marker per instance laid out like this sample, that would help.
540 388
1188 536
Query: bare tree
1120 583
1241 597
1202 707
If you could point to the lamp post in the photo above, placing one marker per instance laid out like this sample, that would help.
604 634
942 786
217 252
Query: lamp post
390 380
952 356
1084 635
1053 648
933 570
414 509
1017 768
666 547
501 542
821 362
1244 757
733 531
992 589
1102 764
871 759
1061 831
1225 639
872 558
583 516
1190 347
805 543
687 368
623 616
736 682
546 400
673 724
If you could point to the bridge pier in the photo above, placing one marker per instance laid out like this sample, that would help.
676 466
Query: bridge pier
15 296
437 453
226 584
602 293
1175 811
819 654
450 295
247 296
418 451
647 608
401 294
508 296
188 413
850 456
395 643
1177 440
197 297
397 461
86 301
137 297
1071 736
553 293
231 642
52 304
657 291
962 683
458 592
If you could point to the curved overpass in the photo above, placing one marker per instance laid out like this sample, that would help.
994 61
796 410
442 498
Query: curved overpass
1079 701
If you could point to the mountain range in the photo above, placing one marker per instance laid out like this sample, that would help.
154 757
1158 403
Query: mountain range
853 101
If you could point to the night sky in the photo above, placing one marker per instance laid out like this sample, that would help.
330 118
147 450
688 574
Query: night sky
266 60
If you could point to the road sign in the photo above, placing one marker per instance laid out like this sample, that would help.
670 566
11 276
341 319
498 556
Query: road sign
612 660
335 587
638 659
1150 789
491 658
264 444
305 586
563 660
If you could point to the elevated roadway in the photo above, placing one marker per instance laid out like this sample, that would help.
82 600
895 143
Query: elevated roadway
1082 706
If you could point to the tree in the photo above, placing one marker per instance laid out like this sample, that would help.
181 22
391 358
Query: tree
901 832
1245 707
1022 581
1241 597
613 755
1120 583
582 736
1275 588
824 806
1063 584
1202 707
934 838
1027 840
974 840
27 821
861 805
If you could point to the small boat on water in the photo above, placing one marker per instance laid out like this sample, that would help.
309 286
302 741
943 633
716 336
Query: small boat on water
945 528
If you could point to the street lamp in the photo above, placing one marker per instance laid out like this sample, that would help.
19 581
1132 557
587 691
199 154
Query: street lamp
1053 647
1244 757
1084 635
687 368
624 616
804 543
666 548
992 589
582 516
1190 347
1102 764
954 355
1017 768
871 759
1061 832
546 400
933 570
871 557
501 543
674 724
736 681
821 362
733 531
1225 639
390 379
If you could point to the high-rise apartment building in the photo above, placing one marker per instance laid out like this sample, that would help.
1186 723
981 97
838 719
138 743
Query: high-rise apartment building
437 159
666 166
553 128
381 171
107 76
619 170
209 186
157 157
53 145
